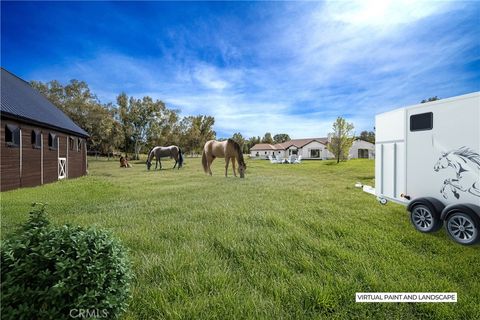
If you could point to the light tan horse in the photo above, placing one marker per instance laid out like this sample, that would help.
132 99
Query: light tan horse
229 149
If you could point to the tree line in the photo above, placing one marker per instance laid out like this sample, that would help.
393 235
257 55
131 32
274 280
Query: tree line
132 126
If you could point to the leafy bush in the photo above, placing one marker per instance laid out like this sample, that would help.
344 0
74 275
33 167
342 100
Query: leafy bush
53 272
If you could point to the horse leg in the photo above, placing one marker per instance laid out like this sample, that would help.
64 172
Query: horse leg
227 161
176 160
160 162
233 165
156 163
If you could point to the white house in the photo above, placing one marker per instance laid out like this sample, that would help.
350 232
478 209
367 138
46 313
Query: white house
362 150
310 148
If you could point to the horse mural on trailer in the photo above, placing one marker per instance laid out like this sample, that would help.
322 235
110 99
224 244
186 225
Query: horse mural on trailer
158 152
466 164
229 149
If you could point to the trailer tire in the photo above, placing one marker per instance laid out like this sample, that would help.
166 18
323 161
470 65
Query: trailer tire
463 226
425 218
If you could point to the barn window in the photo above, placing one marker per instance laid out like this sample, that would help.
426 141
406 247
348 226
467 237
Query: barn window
36 139
12 135
72 143
79 144
52 141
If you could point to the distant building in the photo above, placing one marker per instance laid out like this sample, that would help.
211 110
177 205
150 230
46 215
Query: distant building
310 148
39 143
362 149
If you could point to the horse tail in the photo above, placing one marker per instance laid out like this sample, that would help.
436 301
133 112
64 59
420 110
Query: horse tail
204 161
180 158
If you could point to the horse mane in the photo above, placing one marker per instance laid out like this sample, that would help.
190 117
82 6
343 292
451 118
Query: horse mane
238 150
148 154
468 153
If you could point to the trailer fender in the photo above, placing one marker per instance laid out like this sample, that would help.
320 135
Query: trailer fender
463 207
434 204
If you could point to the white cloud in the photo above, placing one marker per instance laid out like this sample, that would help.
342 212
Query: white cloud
209 77
381 13
314 62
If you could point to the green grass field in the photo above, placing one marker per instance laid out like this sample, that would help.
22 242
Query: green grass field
288 241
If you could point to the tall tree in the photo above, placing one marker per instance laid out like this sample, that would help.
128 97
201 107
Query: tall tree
165 130
367 136
195 131
267 138
83 107
138 116
240 140
435 98
341 139
251 142
281 137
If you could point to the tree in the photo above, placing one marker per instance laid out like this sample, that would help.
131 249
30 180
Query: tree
281 137
83 107
138 116
341 139
251 142
196 131
165 130
435 98
267 138
367 136
237 137
111 136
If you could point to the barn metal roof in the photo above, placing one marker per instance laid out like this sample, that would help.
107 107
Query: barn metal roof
21 101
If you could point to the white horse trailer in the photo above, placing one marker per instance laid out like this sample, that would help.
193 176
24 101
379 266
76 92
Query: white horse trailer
427 157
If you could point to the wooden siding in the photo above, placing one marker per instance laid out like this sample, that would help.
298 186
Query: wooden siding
31 166
50 160
30 175
76 159
10 163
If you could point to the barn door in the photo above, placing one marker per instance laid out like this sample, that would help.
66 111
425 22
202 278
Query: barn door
62 168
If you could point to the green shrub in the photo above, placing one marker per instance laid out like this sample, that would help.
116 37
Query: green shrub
53 272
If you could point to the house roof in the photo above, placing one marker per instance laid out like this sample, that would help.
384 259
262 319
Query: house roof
263 146
298 143
21 101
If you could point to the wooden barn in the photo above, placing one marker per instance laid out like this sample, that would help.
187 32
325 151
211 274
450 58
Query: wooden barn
40 144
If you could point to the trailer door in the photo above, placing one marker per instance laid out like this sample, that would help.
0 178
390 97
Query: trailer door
420 153
390 154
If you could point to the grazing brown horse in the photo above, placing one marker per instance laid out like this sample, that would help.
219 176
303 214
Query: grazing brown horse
158 152
229 149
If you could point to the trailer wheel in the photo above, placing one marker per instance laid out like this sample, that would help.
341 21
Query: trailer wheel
425 219
463 227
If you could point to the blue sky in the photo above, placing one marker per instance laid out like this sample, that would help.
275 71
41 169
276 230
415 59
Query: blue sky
288 67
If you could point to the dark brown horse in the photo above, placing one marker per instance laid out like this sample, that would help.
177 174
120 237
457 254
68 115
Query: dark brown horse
229 149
